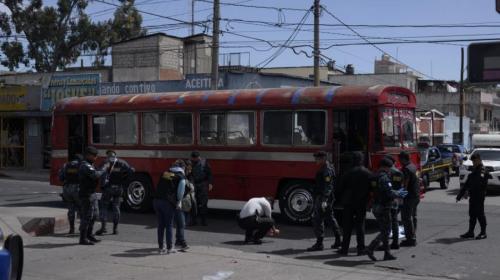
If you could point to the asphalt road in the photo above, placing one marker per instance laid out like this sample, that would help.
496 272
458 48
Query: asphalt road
439 252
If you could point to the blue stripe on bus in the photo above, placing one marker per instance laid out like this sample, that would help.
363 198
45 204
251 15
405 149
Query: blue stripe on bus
157 97
331 93
180 100
260 95
207 94
112 98
296 95
232 98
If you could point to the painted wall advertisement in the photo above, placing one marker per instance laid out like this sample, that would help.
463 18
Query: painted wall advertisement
63 86
12 98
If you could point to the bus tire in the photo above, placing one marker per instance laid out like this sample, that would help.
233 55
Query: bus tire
14 244
296 202
445 181
137 193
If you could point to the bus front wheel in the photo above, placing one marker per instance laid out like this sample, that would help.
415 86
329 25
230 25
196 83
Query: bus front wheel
296 202
137 193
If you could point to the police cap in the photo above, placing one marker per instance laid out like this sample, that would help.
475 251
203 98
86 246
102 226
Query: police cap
320 154
385 162
110 153
404 155
91 151
195 154
389 157
475 156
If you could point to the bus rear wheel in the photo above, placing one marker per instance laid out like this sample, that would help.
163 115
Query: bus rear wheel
296 202
137 193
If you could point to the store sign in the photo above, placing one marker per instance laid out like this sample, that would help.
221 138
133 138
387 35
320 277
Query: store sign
192 82
12 98
63 86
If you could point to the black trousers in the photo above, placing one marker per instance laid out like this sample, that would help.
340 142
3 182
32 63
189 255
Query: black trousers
255 227
321 219
89 211
409 217
353 218
395 225
201 194
476 213
383 216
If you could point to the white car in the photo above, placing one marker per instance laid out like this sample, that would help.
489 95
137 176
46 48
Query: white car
491 161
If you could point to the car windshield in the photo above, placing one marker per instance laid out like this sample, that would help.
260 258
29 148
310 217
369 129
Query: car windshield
488 154
449 149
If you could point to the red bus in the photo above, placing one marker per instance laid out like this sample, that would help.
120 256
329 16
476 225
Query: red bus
259 142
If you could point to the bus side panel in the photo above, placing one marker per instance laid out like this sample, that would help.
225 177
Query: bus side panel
59 143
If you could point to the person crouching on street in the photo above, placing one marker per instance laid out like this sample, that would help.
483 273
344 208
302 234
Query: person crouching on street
255 218
167 204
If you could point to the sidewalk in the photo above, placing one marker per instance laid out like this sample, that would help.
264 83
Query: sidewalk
59 257
26 175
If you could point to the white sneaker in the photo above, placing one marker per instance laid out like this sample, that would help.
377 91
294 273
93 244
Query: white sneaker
171 251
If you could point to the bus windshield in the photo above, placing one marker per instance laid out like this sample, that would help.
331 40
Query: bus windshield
398 127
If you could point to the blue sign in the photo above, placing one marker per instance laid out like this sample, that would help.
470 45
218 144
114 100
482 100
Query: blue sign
191 83
63 86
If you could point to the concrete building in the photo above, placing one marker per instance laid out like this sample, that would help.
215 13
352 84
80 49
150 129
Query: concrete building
431 127
386 66
407 79
161 57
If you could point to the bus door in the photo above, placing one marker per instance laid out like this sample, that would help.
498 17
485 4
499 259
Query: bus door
77 135
350 133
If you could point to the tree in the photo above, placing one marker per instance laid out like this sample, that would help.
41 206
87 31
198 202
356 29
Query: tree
57 36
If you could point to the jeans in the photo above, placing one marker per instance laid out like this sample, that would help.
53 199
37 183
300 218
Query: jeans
180 225
110 198
165 213
89 211
409 217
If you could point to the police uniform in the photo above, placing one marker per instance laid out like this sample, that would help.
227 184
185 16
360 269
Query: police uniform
383 200
323 193
202 177
112 191
410 203
476 185
396 177
89 178
69 176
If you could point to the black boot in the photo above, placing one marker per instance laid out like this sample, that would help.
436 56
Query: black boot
93 239
468 234
83 240
115 229
71 227
318 246
369 253
388 256
101 231
481 235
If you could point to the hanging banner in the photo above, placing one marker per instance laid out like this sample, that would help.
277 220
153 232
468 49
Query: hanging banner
12 98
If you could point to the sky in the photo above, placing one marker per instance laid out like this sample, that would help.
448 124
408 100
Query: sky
434 60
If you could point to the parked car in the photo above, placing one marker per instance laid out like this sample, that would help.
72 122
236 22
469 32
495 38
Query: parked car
434 168
491 161
455 152
11 257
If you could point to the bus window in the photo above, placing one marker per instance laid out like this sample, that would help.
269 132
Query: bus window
126 128
103 129
350 128
241 128
390 127
408 125
309 128
167 128
212 129
278 128
340 129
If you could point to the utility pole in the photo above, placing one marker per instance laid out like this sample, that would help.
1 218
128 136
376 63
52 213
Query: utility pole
192 17
215 46
461 129
317 8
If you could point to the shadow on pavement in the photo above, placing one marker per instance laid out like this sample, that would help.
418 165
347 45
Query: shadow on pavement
449 240
349 263
50 204
319 257
284 252
51 246
137 253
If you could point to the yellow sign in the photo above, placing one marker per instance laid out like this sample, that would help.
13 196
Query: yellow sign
12 98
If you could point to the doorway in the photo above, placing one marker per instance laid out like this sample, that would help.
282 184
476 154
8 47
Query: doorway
77 135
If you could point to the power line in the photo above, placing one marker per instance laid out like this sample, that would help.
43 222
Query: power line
279 9
373 45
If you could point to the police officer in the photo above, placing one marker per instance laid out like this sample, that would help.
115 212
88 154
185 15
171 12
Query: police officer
202 177
410 202
69 176
383 198
112 190
89 178
476 185
396 177
323 201
354 188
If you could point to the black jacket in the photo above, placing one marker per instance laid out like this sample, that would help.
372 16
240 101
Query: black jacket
476 184
118 172
324 181
411 179
384 192
89 177
354 187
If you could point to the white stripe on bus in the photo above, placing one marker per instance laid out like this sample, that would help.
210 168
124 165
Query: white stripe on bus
221 155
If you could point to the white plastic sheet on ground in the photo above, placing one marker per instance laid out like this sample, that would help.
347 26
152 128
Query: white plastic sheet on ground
221 275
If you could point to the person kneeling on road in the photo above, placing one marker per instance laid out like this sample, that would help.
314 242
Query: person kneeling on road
255 218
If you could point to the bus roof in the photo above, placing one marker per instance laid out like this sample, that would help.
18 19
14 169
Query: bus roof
336 96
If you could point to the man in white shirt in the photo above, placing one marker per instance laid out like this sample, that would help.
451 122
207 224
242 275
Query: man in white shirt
255 218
